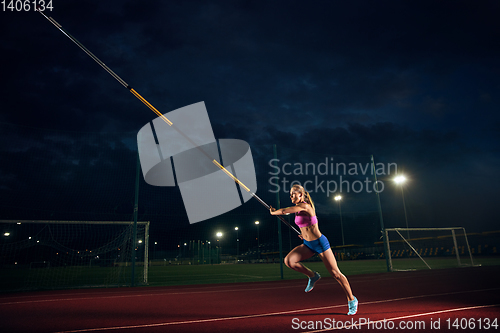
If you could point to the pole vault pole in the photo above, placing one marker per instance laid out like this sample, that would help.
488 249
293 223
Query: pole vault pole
165 119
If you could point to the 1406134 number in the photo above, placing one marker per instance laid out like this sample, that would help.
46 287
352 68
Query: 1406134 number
26 5
472 323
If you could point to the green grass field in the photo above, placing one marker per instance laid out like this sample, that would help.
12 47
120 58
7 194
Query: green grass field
179 275
18 279
206 274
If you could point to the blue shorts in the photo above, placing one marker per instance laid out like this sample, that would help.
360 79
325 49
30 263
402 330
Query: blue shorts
319 245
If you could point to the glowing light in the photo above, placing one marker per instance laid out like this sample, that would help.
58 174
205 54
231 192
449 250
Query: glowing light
219 234
7 234
337 197
400 179
257 222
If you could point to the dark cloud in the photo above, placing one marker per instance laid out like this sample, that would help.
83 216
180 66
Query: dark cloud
412 83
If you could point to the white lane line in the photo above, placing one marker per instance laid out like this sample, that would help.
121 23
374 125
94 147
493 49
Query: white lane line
200 320
214 288
358 326
219 291
281 313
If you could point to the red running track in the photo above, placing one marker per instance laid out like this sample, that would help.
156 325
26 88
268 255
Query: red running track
462 299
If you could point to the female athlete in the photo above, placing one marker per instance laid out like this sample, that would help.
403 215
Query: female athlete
314 243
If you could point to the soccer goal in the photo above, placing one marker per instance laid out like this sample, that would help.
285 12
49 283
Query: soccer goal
72 254
427 248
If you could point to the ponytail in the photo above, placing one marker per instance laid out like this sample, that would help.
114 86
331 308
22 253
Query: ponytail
308 199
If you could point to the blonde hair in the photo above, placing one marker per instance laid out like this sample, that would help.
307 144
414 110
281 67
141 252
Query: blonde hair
305 194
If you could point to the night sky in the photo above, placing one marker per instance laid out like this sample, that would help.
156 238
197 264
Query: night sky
414 83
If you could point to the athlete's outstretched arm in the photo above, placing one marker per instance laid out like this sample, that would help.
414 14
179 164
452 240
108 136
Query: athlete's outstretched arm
288 210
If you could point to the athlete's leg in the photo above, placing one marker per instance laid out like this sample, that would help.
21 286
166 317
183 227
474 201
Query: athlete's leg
331 265
293 259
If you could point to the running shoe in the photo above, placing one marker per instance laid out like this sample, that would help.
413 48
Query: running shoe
353 307
312 282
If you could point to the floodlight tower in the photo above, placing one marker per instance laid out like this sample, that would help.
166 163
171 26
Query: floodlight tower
237 244
258 240
400 180
219 247
338 198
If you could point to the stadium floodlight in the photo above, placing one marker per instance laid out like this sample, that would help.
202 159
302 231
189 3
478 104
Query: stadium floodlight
338 198
237 244
6 234
400 179
219 234
258 240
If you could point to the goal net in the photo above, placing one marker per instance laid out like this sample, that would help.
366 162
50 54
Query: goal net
72 254
427 248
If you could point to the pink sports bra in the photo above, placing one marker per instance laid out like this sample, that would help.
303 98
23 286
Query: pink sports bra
305 221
